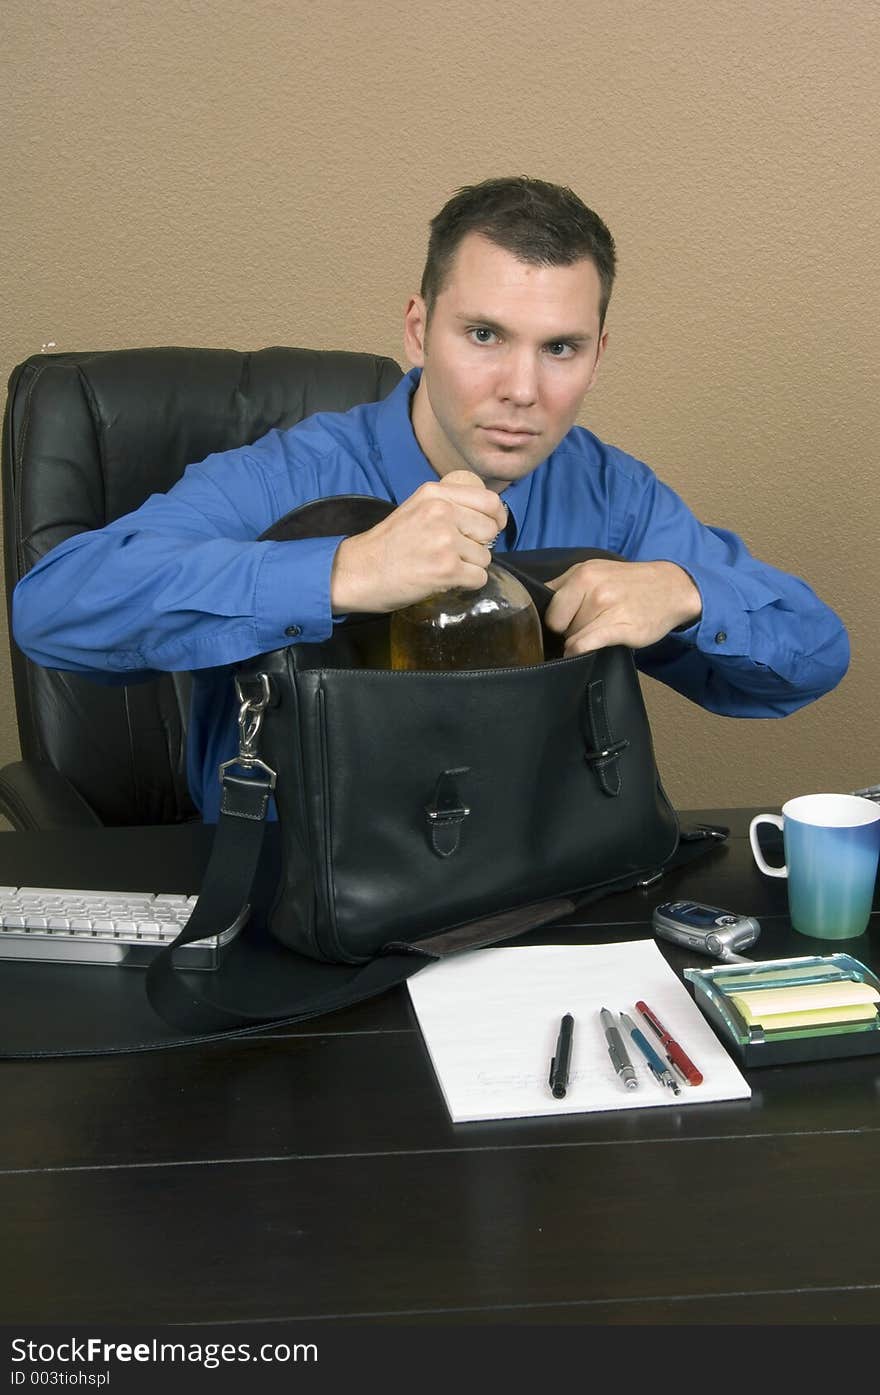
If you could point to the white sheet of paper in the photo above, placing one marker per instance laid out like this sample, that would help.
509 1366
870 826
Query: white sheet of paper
490 1019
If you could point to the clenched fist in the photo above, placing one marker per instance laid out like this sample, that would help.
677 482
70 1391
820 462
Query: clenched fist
438 538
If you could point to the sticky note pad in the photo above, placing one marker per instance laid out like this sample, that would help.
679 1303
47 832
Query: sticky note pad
804 1008
808 1004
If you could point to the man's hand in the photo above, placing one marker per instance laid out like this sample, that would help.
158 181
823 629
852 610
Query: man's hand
436 539
601 602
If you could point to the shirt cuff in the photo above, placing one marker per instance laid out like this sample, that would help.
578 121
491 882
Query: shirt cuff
724 627
292 592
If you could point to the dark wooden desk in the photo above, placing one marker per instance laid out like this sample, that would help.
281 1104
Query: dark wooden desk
311 1175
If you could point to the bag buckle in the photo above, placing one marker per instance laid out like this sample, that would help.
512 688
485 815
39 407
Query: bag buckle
603 752
447 813
250 720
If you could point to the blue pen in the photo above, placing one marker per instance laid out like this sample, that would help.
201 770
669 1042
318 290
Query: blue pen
660 1071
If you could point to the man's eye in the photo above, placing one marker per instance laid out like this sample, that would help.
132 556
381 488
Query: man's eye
481 334
559 349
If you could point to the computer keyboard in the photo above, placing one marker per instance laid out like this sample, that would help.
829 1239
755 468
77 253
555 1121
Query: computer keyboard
101 927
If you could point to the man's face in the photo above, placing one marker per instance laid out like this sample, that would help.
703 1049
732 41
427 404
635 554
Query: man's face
508 355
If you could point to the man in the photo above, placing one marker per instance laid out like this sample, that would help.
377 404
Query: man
476 445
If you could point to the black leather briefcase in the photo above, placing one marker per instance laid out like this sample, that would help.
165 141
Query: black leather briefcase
424 813
413 802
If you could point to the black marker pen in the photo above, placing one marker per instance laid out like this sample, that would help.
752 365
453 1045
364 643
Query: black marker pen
562 1060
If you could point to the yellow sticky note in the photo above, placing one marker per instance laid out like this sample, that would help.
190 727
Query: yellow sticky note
822 1017
809 1004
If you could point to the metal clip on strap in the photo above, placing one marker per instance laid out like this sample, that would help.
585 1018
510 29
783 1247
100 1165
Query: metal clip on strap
247 797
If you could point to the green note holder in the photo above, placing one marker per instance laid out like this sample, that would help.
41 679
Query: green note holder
756 1045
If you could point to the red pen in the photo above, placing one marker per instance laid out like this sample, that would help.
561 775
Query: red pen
674 1054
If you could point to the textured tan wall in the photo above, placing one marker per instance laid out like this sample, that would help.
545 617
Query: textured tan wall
188 172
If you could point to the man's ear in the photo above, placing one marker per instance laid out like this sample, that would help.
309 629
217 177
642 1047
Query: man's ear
415 324
600 354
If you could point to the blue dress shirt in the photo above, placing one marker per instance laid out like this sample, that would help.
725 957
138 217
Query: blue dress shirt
181 583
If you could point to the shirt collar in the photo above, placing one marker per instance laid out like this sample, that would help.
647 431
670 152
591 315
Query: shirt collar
406 466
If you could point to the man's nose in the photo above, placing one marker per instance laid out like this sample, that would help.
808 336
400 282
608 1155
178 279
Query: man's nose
519 380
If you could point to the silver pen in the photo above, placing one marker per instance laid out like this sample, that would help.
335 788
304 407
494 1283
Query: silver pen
617 1051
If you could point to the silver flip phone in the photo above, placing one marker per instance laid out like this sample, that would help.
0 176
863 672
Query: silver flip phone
707 929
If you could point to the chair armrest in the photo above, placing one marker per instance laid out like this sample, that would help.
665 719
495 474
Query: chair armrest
34 796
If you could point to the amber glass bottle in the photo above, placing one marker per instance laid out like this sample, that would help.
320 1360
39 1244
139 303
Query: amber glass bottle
495 627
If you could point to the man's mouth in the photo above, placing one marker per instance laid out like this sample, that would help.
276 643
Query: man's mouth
508 435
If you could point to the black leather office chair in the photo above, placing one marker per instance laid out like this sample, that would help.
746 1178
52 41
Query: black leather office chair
88 437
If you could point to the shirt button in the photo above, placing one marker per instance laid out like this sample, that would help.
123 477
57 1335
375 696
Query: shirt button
293 630
720 638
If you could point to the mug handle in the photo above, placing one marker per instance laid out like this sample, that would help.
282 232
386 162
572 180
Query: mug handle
765 867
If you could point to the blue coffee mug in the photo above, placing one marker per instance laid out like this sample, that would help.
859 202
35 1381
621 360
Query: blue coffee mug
832 846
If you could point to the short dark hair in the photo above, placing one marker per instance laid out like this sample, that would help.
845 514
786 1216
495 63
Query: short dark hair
544 224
